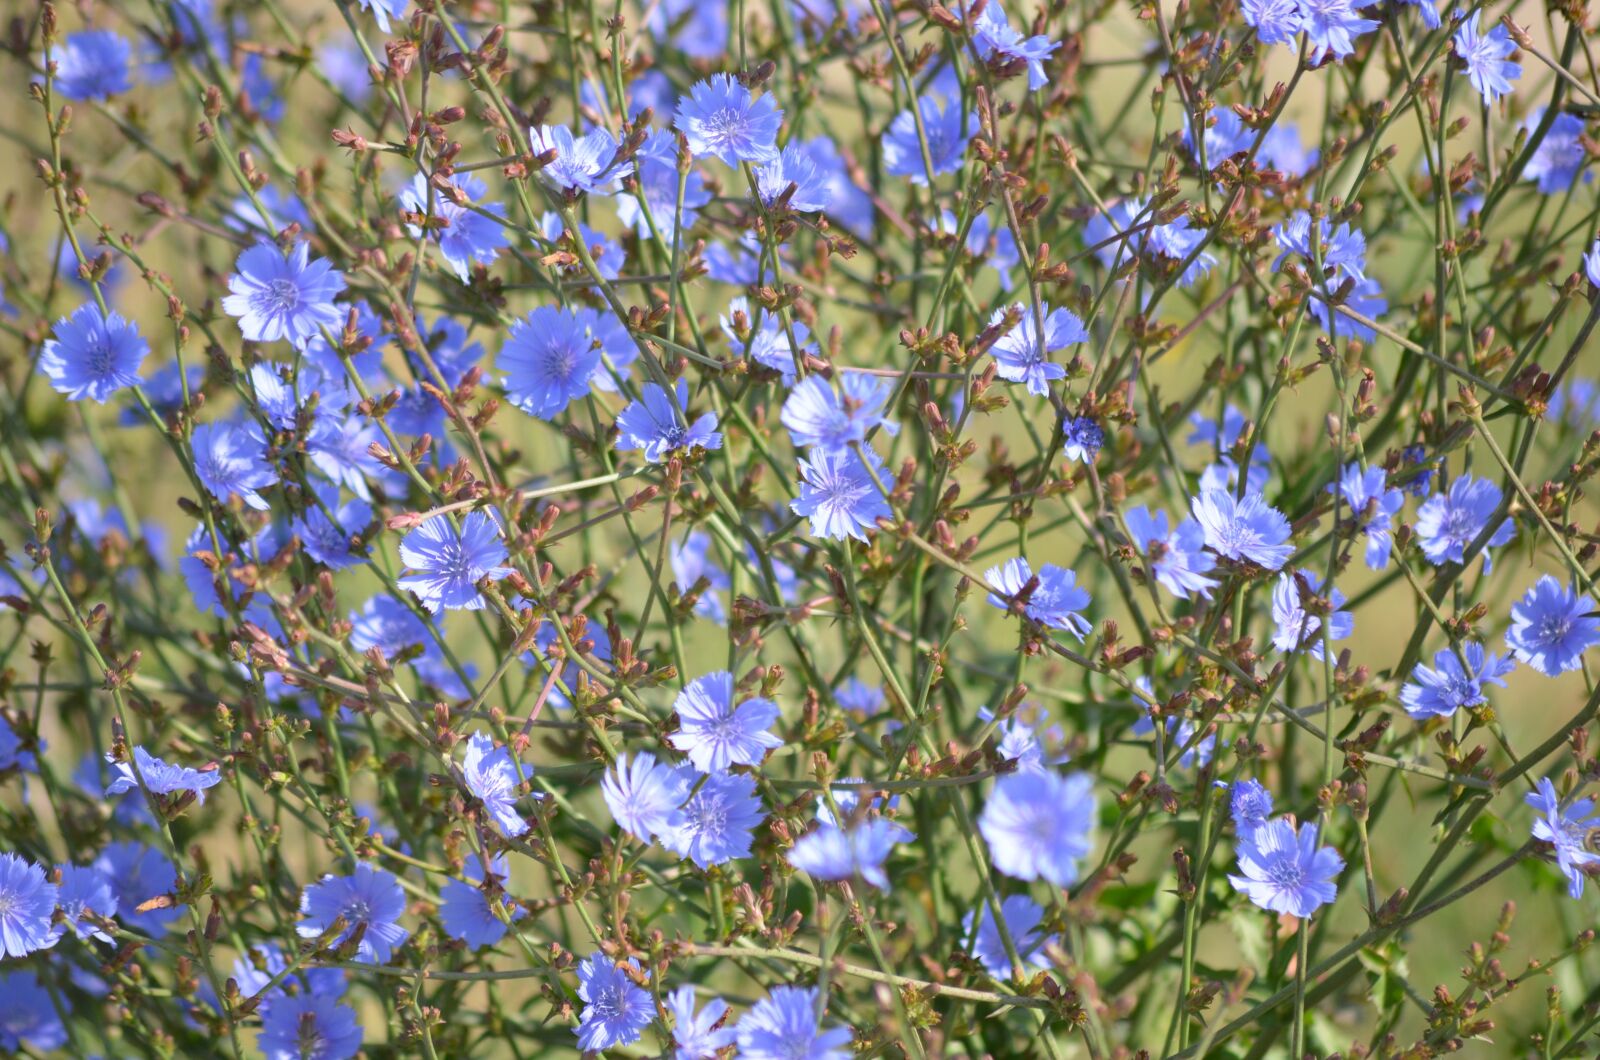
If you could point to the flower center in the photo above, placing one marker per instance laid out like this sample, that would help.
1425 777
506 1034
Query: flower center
1553 629
1286 874
724 126
1459 525
278 296
100 358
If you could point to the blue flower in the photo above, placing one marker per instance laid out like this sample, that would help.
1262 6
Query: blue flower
997 41
1243 530
1223 137
341 448
858 697
832 853
608 255
548 361
1487 58
326 540
369 897
646 797
1177 558
1175 241
28 1015
948 130
12 756
384 10
283 296
93 355
1373 505
259 91
616 1010
1343 249
793 166
491 776
848 203
93 65
1560 156
1019 356
1249 804
1022 916
447 564
309 1024
1365 297
386 623
714 733
769 340
656 166
1567 830
721 118
1331 27
1448 522
741 266
718 821
996 248
275 397
1430 13
1275 21
1414 456
84 889
1197 750
581 164
341 60
1446 688
231 459
1591 268
138 874
698 29
282 208
696 1035
1551 627
839 495
822 418
784 1026
466 236
691 561
1284 871
1020 739
1040 825
27 902
160 778
1283 150
653 425
1298 630
465 911
1055 600
1082 439
164 391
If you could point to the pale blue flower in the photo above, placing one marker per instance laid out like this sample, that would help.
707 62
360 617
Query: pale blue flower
715 733
1284 871
1040 825
718 821
1552 626
948 130
368 897
1446 688
1055 600
721 118
1567 830
784 1026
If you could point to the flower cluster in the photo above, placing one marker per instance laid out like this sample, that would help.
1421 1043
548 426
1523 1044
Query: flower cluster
798 529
